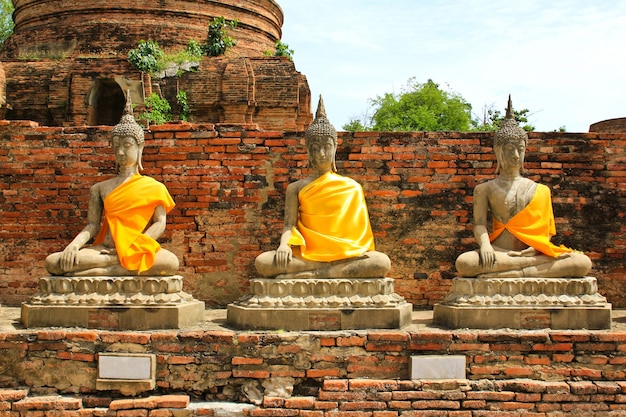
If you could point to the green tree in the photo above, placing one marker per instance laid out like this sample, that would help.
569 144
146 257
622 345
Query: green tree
6 20
355 125
421 107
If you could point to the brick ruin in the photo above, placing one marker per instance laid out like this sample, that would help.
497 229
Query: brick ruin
227 172
617 125
75 71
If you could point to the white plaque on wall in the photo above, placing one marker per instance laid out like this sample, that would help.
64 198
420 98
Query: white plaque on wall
126 366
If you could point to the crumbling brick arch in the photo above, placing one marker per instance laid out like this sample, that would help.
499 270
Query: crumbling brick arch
105 102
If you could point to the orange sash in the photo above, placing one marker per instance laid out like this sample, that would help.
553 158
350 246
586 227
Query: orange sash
128 210
534 225
333 222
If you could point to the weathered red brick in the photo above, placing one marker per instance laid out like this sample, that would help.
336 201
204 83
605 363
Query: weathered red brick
12 395
335 385
172 401
273 402
238 360
45 403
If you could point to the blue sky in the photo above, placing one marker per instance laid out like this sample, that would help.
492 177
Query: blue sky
563 60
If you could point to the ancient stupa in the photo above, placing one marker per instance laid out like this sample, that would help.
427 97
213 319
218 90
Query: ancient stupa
66 63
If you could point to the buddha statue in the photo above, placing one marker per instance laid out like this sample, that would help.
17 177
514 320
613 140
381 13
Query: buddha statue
523 221
134 209
327 231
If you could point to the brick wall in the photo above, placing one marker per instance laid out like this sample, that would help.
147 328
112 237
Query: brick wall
229 182
333 374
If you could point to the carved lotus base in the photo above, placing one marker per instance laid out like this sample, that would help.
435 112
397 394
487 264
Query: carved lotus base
320 304
116 303
557 292
524 303
128 290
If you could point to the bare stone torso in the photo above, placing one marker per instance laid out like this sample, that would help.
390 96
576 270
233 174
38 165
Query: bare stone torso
505 200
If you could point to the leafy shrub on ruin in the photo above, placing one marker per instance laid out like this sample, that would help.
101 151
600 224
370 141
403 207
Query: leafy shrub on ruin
146 56
158 110
282 49
218 40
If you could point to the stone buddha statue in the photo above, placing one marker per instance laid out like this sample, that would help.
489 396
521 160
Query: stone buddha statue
134 208
327 232
523 221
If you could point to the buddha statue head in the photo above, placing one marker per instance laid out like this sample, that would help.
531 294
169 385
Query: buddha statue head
321 130
128 127
509 132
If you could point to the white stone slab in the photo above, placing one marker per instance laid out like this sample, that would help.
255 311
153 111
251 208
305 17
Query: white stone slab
125 366
437 367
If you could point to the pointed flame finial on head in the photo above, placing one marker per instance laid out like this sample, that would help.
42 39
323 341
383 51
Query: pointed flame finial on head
509 109
509 128
321 110
321 127
128 108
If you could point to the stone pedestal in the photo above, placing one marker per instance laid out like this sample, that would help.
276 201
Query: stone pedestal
320 304
524 303
116 303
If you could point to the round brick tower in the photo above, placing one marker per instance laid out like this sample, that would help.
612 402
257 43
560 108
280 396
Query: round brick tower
66 63
110 27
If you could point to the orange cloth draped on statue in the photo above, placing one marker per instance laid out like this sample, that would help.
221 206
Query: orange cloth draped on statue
333 222
534 225
128 210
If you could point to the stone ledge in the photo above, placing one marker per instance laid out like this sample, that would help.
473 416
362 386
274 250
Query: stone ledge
114 317
318 319
519 317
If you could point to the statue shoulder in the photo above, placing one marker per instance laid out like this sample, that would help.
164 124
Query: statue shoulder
296 186
484 188
105 187
351 181
529 187
102 188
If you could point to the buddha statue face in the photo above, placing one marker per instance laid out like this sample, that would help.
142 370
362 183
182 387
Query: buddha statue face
511 154
127 151
321 151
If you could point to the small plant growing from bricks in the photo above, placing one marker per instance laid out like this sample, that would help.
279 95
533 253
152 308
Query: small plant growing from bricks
146 56
218 40
181 99
282 49
159 110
